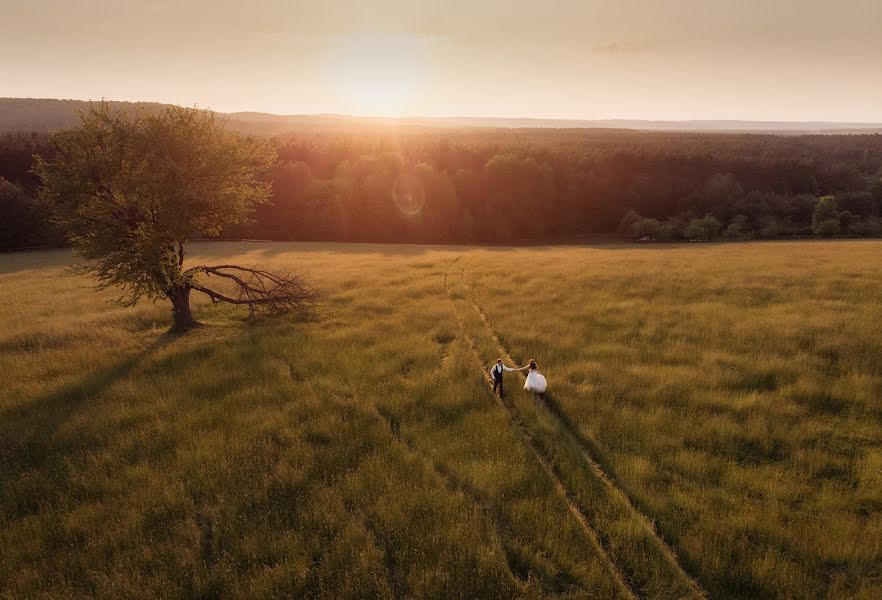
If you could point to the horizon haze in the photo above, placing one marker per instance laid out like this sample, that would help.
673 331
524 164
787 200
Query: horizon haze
49 114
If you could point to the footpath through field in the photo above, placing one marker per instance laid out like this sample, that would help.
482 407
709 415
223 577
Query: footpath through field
639 559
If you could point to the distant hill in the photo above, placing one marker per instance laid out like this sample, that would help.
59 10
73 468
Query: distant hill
39 114
32 114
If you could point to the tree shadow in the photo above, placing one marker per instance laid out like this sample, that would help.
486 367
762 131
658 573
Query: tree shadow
27 430
271 249
19 261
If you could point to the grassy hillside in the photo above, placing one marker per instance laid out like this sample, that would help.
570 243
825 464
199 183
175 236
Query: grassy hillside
713 427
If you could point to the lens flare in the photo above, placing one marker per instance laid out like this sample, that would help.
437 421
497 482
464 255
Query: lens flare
409 195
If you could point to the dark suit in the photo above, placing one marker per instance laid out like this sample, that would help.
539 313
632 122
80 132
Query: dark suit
497 372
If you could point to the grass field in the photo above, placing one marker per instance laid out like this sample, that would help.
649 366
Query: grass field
713 428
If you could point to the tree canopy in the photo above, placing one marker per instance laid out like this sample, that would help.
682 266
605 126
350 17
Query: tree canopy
130 189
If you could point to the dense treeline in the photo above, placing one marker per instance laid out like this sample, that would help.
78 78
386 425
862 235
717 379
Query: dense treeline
487 185
24 221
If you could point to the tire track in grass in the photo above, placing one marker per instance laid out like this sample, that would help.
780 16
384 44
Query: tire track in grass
572 438
457 486
531 443
502 534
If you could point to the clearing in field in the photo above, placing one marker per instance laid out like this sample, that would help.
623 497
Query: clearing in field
712 428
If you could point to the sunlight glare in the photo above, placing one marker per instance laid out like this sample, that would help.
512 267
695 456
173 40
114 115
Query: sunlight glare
378 75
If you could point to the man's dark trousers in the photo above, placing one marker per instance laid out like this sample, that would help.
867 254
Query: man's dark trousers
497 381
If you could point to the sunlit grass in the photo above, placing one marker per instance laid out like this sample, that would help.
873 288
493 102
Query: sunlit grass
731 392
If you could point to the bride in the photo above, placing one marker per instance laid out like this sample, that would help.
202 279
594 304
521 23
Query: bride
535 380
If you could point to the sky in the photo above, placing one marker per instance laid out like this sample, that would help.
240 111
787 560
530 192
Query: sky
793 60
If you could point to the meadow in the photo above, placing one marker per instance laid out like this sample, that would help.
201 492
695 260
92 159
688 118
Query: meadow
712 428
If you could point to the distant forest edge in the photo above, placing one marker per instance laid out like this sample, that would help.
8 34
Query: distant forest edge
481 185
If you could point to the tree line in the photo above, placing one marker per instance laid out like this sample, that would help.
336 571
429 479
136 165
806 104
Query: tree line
517 185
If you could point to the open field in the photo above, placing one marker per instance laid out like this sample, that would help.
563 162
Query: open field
713 428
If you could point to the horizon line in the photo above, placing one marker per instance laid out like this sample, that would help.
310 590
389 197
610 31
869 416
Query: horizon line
862 124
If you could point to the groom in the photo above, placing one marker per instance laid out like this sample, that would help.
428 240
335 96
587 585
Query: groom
497 371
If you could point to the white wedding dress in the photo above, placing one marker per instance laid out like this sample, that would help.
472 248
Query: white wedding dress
535 382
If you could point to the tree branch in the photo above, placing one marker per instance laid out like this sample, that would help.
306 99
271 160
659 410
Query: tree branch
258 289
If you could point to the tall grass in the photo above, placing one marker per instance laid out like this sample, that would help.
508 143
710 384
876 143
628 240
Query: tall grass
731 393
354 455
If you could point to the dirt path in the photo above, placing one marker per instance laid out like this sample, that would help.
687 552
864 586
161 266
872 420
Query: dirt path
628 577
530 442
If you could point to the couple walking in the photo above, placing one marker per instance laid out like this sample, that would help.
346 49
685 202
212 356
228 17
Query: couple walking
535 380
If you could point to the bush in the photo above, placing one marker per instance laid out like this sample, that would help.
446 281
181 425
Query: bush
670 230
825 219
827 228
737 229
871 227
647 229
703 230
847 220
631 217
635 227
769 228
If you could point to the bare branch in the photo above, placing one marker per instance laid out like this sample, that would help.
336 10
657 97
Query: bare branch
258 289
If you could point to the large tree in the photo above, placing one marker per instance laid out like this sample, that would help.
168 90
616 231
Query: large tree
132 188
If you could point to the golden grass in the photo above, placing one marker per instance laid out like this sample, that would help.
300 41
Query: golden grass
733 391
730 395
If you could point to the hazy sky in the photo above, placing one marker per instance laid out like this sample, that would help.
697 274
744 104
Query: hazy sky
654 59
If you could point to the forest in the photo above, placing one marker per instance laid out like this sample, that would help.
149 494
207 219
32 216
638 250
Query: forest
422 185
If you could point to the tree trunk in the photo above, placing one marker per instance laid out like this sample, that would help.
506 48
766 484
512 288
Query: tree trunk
180 299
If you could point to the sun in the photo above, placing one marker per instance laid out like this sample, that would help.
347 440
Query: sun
378 75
